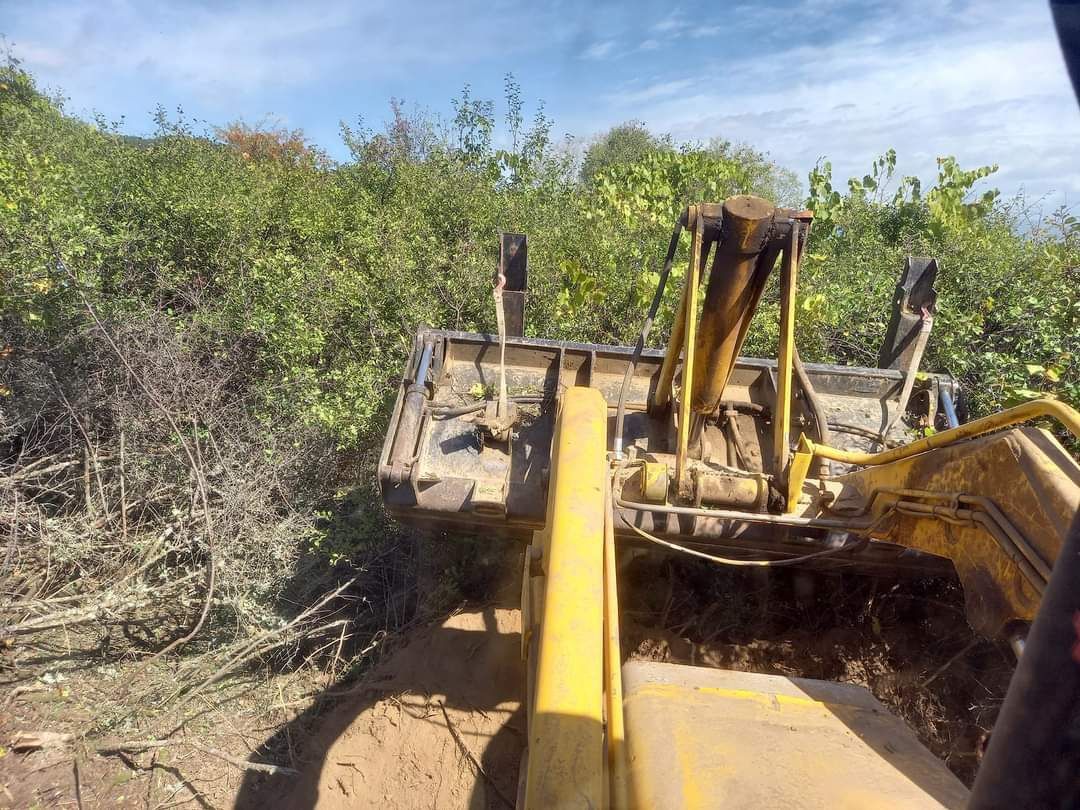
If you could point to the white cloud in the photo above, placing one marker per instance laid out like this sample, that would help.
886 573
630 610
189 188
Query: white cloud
706 31
672 23
216 52
651 92
208 49
599 50
992 89
981 79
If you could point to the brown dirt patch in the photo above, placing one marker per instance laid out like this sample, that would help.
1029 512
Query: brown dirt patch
387 743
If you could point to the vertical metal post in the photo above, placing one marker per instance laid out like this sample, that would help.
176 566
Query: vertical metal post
514 266
949 407
662 396
697 222
782 413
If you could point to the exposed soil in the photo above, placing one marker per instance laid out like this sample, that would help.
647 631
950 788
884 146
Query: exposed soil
385 741
438 725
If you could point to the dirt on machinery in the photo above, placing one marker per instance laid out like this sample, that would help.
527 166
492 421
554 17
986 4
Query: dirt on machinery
905 639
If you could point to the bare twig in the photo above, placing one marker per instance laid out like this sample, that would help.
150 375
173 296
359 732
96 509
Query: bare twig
941 670
123 491
476 763
256 645
78 782
196 470
135 746
243 764
132 747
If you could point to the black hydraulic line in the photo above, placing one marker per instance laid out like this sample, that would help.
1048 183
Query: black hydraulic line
744 407
748 517
738 562
858 430
1032 760
646 327
735 438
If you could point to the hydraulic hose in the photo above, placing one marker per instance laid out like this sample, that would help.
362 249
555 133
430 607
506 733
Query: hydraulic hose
646 327
1052 408
816 407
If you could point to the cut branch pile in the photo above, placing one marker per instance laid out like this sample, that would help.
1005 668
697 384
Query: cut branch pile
153 514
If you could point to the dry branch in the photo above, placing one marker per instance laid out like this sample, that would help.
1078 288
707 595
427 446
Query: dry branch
258 644
195 466
136 746
475 762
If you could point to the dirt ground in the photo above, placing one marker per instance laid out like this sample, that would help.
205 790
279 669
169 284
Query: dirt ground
439 721
906 640
440 724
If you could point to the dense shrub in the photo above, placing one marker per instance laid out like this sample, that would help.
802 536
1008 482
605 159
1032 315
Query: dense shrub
284 289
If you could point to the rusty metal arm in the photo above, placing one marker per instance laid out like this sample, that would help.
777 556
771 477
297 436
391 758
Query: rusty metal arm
785 361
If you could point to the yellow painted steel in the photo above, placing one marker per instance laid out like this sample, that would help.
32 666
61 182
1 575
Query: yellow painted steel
807 450
662 396
654 481
800 467
616 735
999 506
700 738
566 735
782 420
697 222
1011 416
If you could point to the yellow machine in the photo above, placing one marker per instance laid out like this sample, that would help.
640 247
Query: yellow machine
587 449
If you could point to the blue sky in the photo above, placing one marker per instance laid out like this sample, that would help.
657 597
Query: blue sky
845 80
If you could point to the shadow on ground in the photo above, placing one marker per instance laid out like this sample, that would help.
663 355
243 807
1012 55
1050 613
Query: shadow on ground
438 723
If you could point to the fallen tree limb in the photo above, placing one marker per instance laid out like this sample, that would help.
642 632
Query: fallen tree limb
136 746
243 764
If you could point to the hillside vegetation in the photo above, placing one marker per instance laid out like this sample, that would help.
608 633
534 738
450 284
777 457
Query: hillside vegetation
202 332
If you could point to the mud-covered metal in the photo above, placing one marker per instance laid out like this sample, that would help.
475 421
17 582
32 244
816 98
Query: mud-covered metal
998 506
450 454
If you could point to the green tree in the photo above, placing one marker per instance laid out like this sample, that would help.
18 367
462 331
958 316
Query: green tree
622 144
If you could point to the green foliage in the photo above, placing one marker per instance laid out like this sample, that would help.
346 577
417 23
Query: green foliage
324 271
1008 321
625 143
